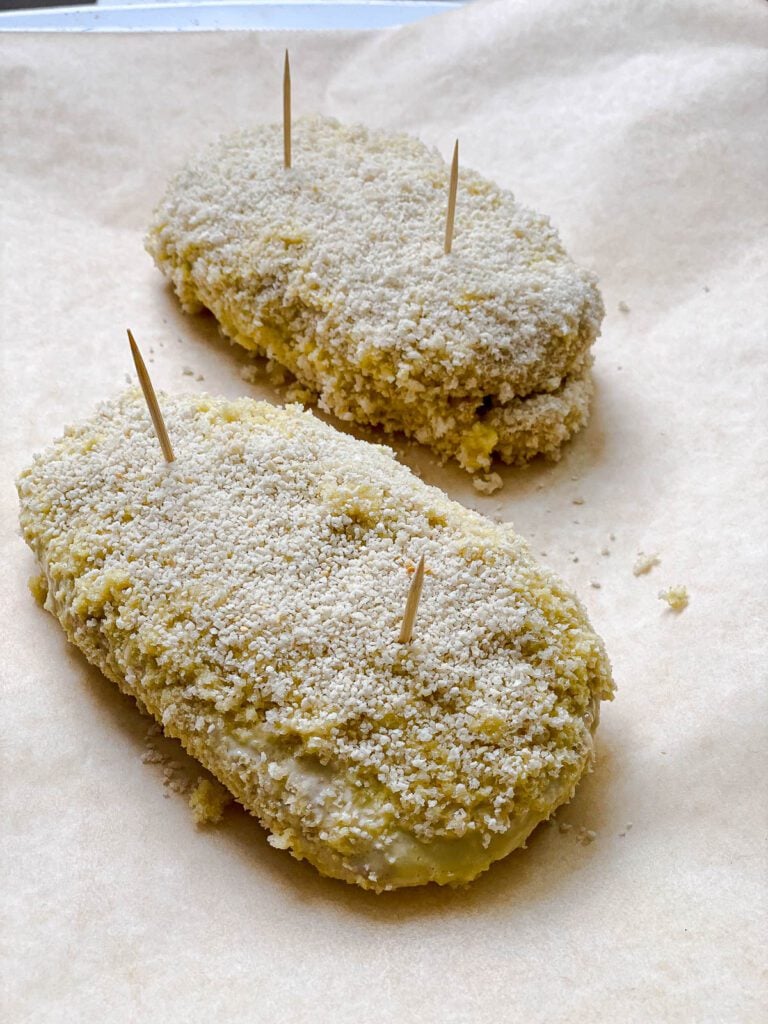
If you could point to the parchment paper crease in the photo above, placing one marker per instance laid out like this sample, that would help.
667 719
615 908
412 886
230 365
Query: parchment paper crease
641 130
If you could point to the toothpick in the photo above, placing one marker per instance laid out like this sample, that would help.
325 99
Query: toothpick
412 604
452 199
287 112
151 400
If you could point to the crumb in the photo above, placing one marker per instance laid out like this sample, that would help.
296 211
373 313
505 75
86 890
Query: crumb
278 375
539 487
575 558
563 826
199 377
127 378
38 588
644 563
249 373
605 552
706 287
586 836
577 501
595 583
151 756
187 371
623 307
612 536
302 395
208 800
676 597
488 484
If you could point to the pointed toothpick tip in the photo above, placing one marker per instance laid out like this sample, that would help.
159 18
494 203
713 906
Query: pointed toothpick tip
151 399
287 112
452 186
412 604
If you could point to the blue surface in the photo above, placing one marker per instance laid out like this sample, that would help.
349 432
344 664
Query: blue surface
230 14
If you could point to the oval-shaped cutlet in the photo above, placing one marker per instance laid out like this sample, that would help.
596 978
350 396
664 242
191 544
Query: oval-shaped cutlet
336 270
250 596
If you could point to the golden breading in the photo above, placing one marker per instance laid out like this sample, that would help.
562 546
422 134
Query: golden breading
336 270
249 595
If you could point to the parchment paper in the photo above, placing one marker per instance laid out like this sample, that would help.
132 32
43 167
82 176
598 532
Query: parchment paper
641 129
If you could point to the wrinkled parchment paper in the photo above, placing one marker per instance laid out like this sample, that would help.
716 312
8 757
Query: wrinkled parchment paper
641 130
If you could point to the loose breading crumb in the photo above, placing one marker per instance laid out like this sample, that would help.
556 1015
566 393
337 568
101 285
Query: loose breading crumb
623 308
585 836
488 484
644 563
676 597
38 588
595 583
335 270
208 801
250 594
299 394
578 501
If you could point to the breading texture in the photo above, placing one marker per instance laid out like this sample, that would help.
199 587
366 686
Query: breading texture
335 269
249 595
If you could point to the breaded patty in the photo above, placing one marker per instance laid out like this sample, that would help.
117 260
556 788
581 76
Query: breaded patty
250 595
335 269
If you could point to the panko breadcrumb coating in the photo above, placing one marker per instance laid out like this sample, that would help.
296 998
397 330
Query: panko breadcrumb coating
335 269
250 595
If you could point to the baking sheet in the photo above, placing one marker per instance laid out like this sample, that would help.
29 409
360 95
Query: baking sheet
640 129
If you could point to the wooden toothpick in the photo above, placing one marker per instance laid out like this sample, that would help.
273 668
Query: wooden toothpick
151 400
452 199
412 604
287 112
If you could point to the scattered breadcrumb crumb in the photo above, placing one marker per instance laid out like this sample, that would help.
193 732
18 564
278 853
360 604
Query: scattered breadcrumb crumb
199 376
187 371
278 375
586 836
605 552
623 307
249 373
38 588
676 597
578 501
595 583
297 393
488 484
208 800
644 563
563 826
